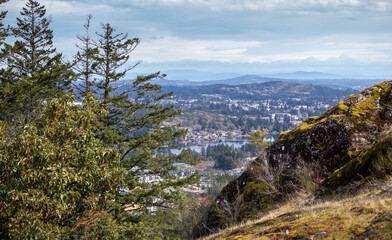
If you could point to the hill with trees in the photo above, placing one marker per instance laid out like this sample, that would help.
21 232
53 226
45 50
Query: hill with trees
74 171
337 153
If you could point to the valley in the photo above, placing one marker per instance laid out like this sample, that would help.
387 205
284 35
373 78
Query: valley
228 114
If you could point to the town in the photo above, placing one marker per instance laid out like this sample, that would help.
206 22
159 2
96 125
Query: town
226 114
213 113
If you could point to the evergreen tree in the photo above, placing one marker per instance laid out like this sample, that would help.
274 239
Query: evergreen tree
135 126
3 29
38 72
114 49
5 50
4 33
85 61
257 140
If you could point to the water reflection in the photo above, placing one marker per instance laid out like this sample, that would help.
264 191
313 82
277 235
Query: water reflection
234 142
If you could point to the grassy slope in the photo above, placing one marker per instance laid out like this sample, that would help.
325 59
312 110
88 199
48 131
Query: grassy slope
367 215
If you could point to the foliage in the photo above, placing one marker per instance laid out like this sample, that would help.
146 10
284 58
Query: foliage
85 61
218 181
177 223
225 156
3 30
79 173
35 72
56 175
365 216
107 227
134 125
258 140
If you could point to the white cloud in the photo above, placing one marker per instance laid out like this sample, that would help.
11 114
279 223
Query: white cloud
320 49
61 8
288 6
234 31
283 6
174 49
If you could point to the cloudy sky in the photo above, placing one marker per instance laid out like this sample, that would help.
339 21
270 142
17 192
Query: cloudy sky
347 37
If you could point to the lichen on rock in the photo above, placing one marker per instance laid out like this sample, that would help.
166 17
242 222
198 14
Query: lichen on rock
350 142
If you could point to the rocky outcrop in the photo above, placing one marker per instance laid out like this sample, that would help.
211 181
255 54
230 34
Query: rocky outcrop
334 152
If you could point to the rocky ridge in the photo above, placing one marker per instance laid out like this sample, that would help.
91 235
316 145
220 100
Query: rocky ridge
337 152
366 215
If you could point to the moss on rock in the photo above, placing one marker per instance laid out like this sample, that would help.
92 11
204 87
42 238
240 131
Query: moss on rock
349 143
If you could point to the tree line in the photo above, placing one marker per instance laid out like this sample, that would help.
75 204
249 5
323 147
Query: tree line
73 172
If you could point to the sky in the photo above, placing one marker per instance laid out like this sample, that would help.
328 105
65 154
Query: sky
345 37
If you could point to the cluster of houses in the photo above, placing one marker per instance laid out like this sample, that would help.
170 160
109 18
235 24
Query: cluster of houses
187 170
203 137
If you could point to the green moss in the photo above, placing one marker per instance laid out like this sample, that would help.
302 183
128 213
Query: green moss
357 217
312 119
377 160
365 109
282 135
308 124
342 107
251 209
323 146
335 175
253 189
383 85
255 199
337 116
353 167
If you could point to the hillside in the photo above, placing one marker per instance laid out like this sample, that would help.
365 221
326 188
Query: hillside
333 154
260 91
365 216
316 78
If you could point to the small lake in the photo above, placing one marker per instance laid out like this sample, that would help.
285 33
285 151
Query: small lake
235 142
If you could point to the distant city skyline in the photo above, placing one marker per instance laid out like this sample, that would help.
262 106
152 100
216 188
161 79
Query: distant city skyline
345 37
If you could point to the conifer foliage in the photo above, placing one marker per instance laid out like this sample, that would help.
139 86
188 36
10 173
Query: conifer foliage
36 71
135 125
85 62
99 170
3 29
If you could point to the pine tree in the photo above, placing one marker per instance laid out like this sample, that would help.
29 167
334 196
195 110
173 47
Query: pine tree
3 29
114 49
135 126
4 33
7 50
85 61
114 53
38 72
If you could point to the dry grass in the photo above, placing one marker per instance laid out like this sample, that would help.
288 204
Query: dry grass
366 215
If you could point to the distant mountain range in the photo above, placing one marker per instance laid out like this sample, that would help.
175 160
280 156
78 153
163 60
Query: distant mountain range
184 78
305 75
201 76
259 91
315 78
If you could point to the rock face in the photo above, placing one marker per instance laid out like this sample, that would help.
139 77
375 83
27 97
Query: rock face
334 152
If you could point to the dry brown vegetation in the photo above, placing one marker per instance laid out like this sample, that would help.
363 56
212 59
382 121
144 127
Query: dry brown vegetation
367 215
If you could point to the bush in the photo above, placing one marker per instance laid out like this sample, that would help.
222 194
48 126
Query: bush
55 175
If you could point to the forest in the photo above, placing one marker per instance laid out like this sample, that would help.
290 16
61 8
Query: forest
74 171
